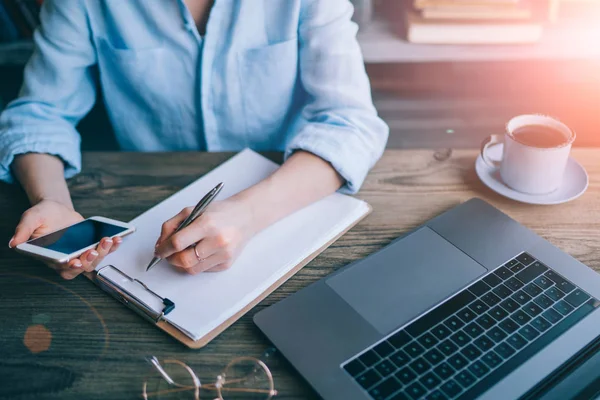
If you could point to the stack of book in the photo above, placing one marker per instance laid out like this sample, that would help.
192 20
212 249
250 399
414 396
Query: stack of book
18 19
473 22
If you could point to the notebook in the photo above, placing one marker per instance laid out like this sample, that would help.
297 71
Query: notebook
207 303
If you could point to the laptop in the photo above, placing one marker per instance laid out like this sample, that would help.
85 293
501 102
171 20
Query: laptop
469 305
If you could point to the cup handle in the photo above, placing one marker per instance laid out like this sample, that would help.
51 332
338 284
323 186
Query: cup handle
490 141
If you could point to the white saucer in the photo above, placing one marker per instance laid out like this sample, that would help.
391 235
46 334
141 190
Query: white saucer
574 184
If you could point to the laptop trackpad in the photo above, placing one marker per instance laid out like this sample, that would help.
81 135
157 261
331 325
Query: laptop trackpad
405 279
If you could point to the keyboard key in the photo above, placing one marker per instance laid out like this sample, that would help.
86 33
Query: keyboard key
563 307
369 358
510 305
430 381
490 299
577 298
399 339
479 288
458 362
385 389
478 369
525 259
420 366
484 343
414 349
511 263
385 368
514 284
543 282
460 338
473 330
470 352
492 280
529 332
451 388
502 291
405 375
384 349
466 315
540 324
532 309
533 271
520 317
528 351
496 334
517 268
561 282
491 359
532 289
368 379
427 340
503 273
543 301
355 367
498 313
441 332
435 395
434 357
509 326
400 358
454 323
552 316
517 341
554 293
440 313
521 297
479 307
444 371
504 350
416 390
447 347
485 321
465 378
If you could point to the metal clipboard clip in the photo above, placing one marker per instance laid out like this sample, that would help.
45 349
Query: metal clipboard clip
132 301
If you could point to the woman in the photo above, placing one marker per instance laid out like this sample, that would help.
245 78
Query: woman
192 75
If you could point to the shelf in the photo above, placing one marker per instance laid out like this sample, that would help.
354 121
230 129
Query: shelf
15 53
381 45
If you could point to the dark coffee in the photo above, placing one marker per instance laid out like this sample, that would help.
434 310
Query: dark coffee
540 136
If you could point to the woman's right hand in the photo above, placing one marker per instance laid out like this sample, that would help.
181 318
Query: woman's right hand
48 216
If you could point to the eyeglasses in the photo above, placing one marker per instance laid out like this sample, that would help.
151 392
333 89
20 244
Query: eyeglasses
243 378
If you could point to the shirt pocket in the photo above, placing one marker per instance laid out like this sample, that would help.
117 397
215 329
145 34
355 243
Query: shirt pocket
268 77
137 88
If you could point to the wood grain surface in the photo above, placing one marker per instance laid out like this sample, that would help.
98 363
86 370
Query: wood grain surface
69 340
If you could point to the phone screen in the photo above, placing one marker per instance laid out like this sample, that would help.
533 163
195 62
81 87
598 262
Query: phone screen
77 237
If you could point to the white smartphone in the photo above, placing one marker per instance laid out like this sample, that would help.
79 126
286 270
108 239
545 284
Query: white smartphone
68 243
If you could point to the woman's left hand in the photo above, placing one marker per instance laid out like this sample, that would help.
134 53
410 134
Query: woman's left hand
212 242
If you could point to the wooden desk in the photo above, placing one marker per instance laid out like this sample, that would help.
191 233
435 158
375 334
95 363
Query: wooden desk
98 346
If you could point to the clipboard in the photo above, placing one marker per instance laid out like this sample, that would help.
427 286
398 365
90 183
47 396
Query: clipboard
156 307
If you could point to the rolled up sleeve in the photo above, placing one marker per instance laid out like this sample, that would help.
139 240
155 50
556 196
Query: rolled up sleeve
339 122
58 90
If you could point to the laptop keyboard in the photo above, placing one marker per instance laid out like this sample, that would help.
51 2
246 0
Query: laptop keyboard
467 344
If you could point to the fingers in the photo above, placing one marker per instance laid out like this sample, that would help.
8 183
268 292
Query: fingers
89 260
186 237
169 227
30 221
188 259
220 260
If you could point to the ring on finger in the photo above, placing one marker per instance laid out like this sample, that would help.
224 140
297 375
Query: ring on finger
200 259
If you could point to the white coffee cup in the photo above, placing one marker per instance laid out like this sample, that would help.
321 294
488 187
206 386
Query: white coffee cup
529 169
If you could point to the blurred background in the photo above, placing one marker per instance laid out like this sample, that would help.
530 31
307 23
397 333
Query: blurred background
445 73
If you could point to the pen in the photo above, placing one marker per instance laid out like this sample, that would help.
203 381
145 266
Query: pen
196 212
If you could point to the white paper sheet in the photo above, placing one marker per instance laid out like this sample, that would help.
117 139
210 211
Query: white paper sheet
205 301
